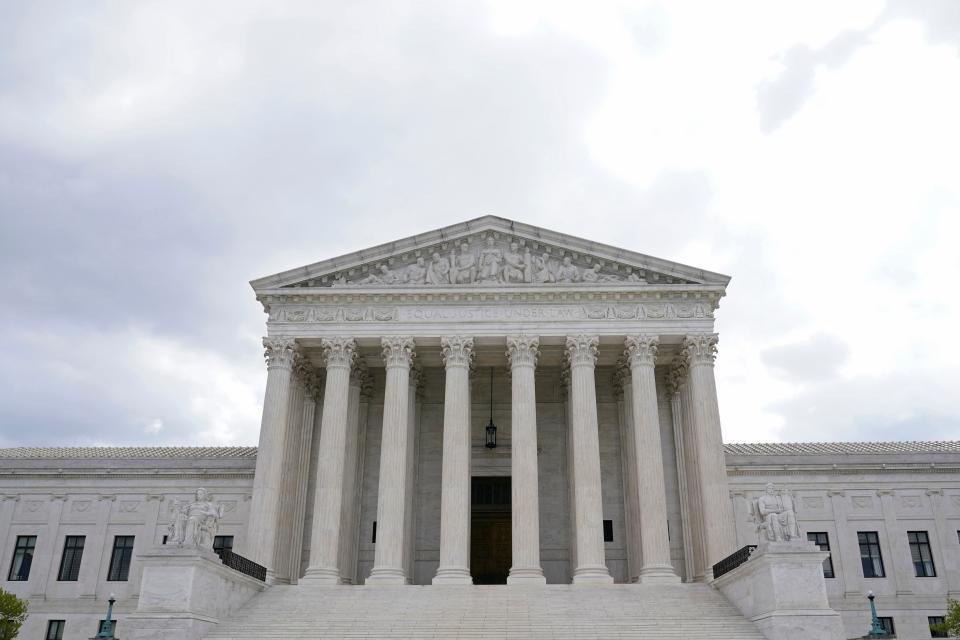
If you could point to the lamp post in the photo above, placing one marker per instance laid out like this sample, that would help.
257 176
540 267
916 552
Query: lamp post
491 428
876 629
106 630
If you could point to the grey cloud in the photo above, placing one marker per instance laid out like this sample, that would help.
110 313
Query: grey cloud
888 407
816 359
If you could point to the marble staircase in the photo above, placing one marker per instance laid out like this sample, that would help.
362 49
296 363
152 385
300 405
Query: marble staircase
554 612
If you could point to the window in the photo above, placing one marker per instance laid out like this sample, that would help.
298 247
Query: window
70 561
164 541
932 620
22 558
120 558
374 539
887 624
55 629
822 540
608 530
870 556
221 544
920 554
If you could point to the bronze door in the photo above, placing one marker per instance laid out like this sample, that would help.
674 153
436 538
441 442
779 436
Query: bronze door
490 541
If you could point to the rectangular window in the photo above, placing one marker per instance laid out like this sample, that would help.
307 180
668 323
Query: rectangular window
55 629
608 530
932 620
164 541
221 544
822 540
22 558
887 624
120 558
70 560
870 557
920 554
374 539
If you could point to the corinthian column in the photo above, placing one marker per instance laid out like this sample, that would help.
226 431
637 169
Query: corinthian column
359 379
264 508
392 494
325 541
525 513
654 540
700 350
588 502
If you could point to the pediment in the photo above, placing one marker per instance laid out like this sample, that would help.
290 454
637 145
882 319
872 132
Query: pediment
489 252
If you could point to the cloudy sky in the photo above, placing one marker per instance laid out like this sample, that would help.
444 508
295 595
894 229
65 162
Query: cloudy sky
154 157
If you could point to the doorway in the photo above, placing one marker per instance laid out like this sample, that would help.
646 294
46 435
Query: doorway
490 540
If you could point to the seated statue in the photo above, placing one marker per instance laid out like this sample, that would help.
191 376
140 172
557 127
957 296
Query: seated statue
195 523
774 515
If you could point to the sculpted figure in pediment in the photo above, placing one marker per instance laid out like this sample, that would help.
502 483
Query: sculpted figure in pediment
513 265
417 272
591 274
439 270
568 272
491 259
386 276
464 267
540 269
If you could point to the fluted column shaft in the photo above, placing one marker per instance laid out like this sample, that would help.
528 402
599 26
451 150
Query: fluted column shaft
654 538
285 573
455 489
623 383
588 503
522 353
348 521
717 513
304 443
339 354
392 492
268 476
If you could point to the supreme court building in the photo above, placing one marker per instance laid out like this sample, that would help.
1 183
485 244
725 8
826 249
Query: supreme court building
488 403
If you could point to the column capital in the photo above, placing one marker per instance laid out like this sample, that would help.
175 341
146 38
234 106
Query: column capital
522 350
582 350
279 351
398 351
677 375
641 349
314 384
457 351
302 368
700 348
339 352
621 376
359 375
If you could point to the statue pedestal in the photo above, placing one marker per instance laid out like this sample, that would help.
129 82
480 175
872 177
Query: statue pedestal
185 592
781 589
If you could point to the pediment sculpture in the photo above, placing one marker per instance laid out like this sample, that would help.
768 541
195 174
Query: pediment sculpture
775 515
194 522
489 263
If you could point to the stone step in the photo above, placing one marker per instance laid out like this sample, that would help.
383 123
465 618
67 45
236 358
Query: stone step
553 612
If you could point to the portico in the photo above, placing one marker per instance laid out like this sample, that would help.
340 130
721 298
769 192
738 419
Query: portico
602 388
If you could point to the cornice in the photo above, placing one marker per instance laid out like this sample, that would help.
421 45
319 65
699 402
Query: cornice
497 227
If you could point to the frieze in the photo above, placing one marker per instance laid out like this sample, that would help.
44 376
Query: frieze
506 312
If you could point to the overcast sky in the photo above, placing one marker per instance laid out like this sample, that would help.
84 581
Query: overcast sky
154 157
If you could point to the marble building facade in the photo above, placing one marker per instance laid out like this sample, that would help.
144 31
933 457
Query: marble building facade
385 368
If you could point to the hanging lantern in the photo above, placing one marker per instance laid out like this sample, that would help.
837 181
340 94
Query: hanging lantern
491 428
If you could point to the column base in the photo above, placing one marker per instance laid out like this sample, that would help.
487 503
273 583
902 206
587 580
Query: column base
384 576
596 574
321 576
453 575
658 575
530 575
